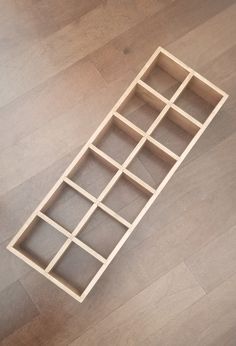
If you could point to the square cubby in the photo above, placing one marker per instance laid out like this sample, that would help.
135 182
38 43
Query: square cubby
117 140
92 173
198 99
126 198
141 107
40 242
165 75
76 268
102 232
151 164
175 131
67 207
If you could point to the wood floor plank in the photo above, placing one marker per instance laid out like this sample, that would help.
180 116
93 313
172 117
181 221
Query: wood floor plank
16 309
143 260
210 40
132 48
55 138
15 269
208 322
57 96
178 280
147 311
19 202
78 37
218 258
63 65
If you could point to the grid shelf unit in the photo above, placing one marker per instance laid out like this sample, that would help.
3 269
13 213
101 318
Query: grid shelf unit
164 106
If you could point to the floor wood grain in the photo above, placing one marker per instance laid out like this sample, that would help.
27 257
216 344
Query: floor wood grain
63 65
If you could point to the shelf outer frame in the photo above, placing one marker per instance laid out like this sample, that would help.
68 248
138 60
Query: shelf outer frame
122 169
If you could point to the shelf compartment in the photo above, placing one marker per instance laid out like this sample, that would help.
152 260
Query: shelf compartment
67 207
126 198
92 173
165 75
40 242
117 140
75 268
175 131
140 108
102 232
151 164
198 99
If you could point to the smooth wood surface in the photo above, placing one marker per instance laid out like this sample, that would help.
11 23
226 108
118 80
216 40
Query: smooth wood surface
43 127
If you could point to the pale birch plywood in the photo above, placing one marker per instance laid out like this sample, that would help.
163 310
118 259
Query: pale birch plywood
139 144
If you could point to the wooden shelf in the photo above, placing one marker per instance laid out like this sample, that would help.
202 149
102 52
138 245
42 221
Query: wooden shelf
183 80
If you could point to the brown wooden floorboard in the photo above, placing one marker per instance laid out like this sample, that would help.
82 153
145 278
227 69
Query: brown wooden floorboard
63 64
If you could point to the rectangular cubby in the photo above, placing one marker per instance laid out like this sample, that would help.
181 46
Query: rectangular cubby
79 227
92 173
198 99
76 268
117 140
40 242
102 232
165 75
67 207
175 131
142 108
126 198
151 164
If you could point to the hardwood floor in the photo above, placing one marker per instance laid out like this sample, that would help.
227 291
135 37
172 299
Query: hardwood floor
63 65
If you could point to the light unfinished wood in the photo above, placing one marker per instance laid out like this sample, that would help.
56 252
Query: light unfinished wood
188 78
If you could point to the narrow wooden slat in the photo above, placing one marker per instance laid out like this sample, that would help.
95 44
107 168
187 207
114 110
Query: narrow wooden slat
136 179
80 189
54 224
26 259
106 157
152 93
58 255
129 123
84 219
114 215
64 286
89 250
172 157
158 144
134 152
181 87
140 183
187 116
110 185
158 119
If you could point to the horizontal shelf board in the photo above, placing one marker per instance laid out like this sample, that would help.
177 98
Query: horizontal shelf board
54 224
114 215
172 156
152 93
129 123
89 250
187 116
106 157
79 189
